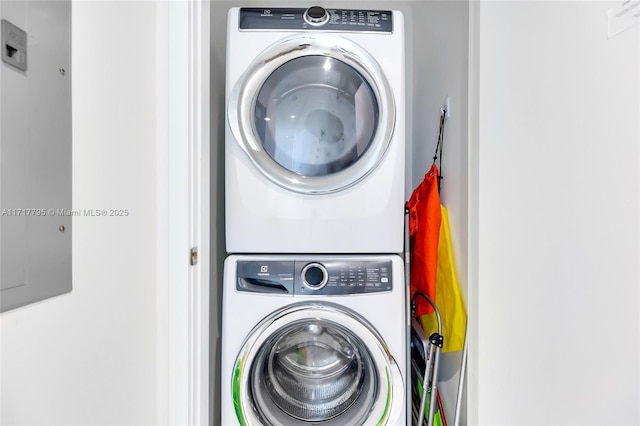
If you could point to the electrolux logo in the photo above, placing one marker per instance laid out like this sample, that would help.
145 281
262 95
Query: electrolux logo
266 12
264 271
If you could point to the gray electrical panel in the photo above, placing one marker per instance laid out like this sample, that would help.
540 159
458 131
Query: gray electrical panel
35 151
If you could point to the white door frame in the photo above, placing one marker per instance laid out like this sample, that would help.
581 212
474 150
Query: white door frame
183 212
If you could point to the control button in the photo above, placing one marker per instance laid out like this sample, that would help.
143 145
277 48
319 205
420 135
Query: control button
316 16
314 276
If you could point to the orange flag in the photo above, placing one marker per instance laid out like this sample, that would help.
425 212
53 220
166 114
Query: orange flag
424 232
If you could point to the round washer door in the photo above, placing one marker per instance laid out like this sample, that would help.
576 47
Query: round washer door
314 114
316 363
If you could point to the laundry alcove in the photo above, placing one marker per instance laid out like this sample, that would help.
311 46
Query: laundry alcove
434 71
543 240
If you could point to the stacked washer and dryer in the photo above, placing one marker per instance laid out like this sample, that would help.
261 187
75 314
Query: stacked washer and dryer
314 318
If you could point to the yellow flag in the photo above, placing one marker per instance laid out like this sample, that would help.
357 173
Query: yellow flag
448 297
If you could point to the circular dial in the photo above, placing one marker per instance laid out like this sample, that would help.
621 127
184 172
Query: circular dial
316 15
315 276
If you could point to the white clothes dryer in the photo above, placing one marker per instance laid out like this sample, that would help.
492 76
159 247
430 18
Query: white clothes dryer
314 340
315 136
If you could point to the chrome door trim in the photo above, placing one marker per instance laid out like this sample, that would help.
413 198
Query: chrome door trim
242 99
390 403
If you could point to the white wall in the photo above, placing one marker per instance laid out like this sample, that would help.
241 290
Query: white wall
556 302
89 357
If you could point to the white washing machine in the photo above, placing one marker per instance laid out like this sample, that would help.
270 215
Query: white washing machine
315 135
314 340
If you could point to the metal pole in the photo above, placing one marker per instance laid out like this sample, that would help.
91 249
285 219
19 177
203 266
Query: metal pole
463 373
436 364
434 387
425 386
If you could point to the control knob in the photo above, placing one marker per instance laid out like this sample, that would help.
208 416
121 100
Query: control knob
314 276
316 15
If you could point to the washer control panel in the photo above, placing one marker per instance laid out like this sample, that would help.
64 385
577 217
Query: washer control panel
316 18
311 277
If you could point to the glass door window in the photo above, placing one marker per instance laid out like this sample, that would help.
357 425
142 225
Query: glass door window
313 371
316 115
316 363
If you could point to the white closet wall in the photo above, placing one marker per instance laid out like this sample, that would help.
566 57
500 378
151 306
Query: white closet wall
556 195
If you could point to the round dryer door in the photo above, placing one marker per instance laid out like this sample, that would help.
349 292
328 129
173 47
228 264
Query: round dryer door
316 364
314 114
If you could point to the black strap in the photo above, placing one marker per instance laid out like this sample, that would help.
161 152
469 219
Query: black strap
438 155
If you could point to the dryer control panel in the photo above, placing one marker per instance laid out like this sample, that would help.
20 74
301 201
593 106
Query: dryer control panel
316 18
311 277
